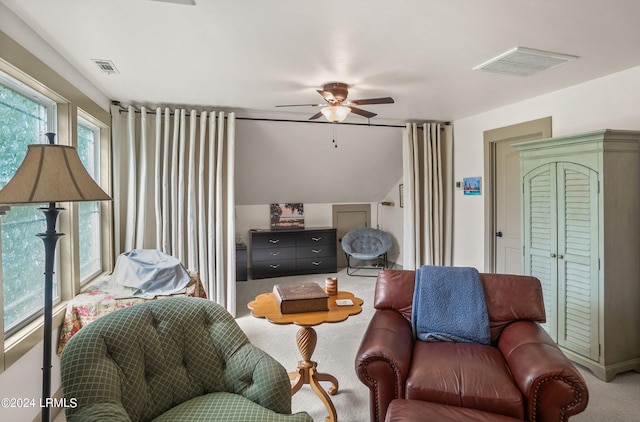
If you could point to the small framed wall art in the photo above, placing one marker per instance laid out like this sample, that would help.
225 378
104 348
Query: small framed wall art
287 216
472 185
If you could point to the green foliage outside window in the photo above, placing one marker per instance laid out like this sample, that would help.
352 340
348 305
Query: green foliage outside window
23 121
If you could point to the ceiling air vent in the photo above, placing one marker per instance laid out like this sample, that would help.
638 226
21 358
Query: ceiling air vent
521 61
106 66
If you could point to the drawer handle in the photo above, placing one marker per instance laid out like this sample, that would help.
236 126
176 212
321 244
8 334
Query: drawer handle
274 253
274 266
274 240
316 250
316 263
316 239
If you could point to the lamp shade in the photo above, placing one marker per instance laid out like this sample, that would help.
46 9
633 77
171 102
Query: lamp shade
335 113
51 173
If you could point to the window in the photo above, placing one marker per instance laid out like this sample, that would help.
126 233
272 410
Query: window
89 214
24 117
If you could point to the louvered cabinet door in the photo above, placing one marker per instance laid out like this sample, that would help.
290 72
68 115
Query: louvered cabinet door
577 258
540 237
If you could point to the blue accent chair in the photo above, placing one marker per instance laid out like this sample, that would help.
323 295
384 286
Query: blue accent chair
366 244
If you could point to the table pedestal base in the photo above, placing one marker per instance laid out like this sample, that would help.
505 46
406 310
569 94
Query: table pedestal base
306 338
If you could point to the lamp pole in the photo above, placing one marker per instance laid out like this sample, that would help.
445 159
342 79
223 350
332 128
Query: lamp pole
50 238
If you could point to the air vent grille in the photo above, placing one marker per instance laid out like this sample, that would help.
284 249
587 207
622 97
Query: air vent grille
106 66
521 61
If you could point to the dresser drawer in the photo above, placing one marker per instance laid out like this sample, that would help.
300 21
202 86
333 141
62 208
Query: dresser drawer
316 251
261 240
274 268
316 265
270 254
316 237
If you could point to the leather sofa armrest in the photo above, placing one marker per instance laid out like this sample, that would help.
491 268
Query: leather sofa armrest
383 359
553 388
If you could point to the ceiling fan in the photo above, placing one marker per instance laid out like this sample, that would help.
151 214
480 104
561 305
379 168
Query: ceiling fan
337 107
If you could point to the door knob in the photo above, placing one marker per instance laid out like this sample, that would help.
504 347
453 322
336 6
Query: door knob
498 234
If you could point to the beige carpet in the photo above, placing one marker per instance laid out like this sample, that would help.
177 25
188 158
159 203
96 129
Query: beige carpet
618 400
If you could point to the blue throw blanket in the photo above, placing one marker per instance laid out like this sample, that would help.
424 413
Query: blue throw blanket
449 305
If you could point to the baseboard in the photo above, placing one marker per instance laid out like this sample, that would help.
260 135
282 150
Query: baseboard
604 372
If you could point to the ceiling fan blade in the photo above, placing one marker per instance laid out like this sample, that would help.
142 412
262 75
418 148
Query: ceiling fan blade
301 105
316 116
328 96
362 112
384 100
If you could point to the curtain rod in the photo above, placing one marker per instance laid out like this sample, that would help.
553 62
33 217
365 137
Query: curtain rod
264 119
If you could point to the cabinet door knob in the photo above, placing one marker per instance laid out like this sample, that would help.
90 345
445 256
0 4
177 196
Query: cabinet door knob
498 234
560 256
553 255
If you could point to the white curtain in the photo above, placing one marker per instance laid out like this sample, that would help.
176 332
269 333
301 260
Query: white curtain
428 189
174 190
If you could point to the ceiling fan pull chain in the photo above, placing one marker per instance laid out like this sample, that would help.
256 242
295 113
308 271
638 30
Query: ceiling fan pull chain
335 125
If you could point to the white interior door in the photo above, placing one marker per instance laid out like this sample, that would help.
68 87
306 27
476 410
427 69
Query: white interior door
508 244
503 245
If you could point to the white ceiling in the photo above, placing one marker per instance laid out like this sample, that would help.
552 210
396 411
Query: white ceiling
251 55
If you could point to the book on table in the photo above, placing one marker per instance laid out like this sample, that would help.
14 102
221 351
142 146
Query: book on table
301 297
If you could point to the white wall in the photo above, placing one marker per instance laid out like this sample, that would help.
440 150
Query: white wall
23 380
611 102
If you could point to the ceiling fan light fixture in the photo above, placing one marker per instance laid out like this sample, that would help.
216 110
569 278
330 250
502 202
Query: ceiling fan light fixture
335 114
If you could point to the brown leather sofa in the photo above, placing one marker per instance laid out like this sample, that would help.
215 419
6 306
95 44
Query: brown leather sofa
522 374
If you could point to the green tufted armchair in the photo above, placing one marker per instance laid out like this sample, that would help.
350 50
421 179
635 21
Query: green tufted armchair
177 359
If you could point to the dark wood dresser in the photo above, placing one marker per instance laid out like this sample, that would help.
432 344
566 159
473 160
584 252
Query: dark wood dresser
277 253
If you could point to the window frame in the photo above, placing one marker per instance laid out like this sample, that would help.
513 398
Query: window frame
25 68
85 121
50 108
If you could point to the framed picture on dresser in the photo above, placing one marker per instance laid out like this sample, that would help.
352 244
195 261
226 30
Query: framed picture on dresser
287 216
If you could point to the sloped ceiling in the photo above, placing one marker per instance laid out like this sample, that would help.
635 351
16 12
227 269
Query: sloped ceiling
297 162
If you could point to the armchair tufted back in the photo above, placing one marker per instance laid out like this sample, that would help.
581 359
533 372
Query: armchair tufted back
153 356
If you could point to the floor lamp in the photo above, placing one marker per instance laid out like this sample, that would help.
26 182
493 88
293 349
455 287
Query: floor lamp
50 173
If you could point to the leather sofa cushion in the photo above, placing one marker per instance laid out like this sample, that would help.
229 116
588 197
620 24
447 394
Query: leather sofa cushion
465 375
414 410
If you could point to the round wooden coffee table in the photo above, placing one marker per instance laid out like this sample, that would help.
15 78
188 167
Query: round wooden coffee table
266 306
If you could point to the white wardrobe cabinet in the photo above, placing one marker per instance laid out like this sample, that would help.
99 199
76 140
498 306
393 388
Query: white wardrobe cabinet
581 238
